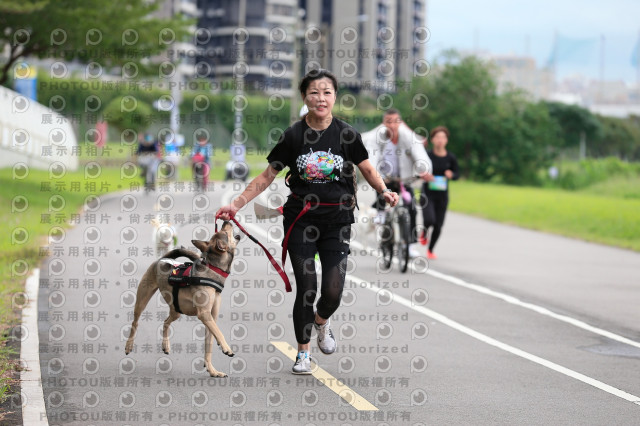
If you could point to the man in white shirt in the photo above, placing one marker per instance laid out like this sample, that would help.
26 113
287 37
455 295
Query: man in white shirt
398 152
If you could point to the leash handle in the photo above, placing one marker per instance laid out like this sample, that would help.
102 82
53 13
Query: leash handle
281 272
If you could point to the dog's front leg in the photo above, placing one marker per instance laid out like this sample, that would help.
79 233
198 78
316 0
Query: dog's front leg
166 345
207 319
208 349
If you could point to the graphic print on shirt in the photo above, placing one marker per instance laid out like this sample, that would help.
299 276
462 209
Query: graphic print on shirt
319 166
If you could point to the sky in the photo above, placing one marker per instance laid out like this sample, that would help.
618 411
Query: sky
528 27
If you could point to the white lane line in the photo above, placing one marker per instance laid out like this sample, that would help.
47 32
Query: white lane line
33 411
500 345
517 302
535 308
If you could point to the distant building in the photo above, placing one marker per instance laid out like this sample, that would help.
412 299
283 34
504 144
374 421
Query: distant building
521 72
368 44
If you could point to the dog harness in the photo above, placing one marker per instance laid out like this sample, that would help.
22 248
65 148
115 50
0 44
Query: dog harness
182 276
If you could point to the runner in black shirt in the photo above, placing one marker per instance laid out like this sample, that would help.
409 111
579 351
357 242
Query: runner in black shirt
320 152
435 193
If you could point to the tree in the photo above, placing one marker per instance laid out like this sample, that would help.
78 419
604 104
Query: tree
572 121
462 96
127 113
109 33
496 137
524 140
620 137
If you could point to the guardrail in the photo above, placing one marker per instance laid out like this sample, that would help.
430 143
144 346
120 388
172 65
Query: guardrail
34 135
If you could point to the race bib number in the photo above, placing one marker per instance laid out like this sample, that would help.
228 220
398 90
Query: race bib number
438 184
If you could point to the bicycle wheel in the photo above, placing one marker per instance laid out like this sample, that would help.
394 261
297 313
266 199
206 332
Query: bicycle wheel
198 176
385 237
404 237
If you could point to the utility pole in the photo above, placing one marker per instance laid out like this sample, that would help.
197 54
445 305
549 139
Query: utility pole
601 91
238 115
294 111
637 64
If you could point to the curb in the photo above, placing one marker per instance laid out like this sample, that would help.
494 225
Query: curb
34 411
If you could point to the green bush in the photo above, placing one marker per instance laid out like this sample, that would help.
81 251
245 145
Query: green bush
589 172
126 112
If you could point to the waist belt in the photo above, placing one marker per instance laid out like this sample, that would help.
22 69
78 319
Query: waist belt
182 276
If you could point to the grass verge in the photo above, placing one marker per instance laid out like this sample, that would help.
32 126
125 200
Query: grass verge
602 219
31 207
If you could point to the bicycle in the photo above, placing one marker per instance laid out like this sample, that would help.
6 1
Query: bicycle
148 163
395 232
200 170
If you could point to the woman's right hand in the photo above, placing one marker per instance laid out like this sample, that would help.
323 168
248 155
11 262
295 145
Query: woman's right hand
226 212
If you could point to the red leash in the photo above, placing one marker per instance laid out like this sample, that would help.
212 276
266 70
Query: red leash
284 277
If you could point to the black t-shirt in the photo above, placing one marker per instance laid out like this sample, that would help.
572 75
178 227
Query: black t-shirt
440 165
322 169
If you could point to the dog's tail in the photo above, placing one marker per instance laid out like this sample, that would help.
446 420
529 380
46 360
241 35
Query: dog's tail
181 252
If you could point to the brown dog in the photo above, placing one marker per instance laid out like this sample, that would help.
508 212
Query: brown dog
201 301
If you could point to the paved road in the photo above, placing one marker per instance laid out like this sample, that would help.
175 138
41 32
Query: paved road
465 339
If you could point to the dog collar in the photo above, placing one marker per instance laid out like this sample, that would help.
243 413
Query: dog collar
217 270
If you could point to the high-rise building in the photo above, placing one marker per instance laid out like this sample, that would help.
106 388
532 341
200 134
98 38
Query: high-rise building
368 44
262 34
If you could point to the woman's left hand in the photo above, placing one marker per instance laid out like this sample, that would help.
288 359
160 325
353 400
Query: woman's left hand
391 198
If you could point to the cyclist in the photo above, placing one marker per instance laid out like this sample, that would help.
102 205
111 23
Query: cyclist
435 191
148 158
171 155
200 158
398 154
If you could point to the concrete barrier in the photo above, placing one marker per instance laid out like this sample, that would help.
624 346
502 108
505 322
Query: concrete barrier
33 134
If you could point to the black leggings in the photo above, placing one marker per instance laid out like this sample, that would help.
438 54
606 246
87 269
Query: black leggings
434 207
331 242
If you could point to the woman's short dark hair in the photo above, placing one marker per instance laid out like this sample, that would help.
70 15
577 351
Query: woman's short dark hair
437 130
316 75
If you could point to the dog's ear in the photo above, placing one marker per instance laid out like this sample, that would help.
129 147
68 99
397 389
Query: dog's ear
200 245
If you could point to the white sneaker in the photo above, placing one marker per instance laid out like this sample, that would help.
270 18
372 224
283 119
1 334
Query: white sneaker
302 364
326 341
413 252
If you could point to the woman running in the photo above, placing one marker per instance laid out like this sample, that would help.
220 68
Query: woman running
435 192
320 152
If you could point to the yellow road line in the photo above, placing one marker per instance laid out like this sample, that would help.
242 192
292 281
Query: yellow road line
324 377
